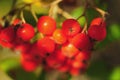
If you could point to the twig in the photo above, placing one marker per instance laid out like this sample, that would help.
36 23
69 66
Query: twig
33 14
64 13
22 17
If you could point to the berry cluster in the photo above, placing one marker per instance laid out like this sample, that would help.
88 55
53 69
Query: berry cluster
67 49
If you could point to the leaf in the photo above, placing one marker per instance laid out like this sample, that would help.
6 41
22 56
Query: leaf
115 31
98 70
77 12
5 6
4 76
9 63
115 75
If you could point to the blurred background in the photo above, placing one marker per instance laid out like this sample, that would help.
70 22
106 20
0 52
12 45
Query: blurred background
105 61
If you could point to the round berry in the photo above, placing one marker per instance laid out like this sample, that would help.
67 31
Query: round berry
97 32
47 45
46 25
81 41
59 37
7 36
69 50
98 21
71 27
25 32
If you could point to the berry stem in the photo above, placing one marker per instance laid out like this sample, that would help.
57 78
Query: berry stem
53 8
102 12
33 14
22 17
64 13
85 28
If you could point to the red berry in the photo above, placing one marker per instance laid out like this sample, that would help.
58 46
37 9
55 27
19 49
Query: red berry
71 27
28 64
59 37
25 32
22 47
98 21
16 21
46 25
7 35
81 41
97 32
69 50
47 45
97 29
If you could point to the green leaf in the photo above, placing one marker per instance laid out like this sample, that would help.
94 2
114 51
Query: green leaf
4 76
115 75
9 63
5 6
39 9
20 74
77 12
98 70
115 31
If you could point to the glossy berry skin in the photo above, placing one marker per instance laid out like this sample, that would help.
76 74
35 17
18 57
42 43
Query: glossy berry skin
59 37
47 45
81 41
25 32
97 29
97 32
98 21
7 35
71 27
69 50
46 25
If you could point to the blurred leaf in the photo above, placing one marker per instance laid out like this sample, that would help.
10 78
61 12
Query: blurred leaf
29 18
115 31
115 75
9 63
20 74
30 1
82 21
5 6
91 14
98 70
4 76
39 8
77 12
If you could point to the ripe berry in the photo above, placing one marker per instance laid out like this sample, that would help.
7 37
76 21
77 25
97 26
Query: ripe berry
69 50
28 64
97 29
59 37
97 32
46 25
81 41
22 47
98 21
25 32
16 21
71 27
47 45
7 35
